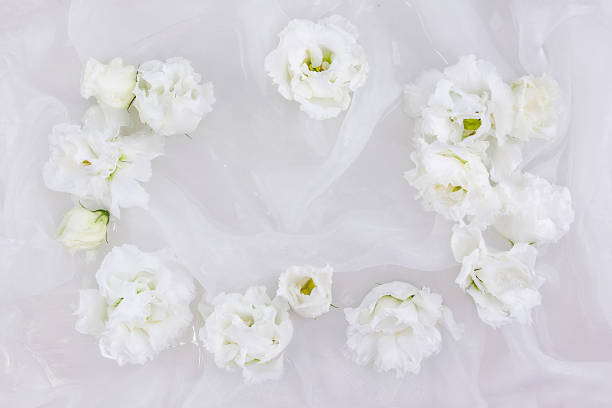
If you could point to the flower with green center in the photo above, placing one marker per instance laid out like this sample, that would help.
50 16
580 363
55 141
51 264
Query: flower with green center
467 104
307 289
318 64
454 182
396 326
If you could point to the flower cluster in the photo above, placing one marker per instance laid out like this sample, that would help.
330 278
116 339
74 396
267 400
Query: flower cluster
396 326
250 331
103 160
318 65
141 306
470 129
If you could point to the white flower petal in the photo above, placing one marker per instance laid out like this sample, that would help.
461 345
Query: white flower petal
91 312
141 306
111 84
537 105
534 211
318 65
453 182
307 289
97 160
504 285
395 327
170 96
467 105
249 332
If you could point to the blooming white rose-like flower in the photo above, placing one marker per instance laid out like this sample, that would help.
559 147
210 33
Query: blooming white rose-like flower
465 105
170 96
504 285
537 103
396 326
100 165
112 84
307 289
249 332
318 64
453 182
534 210
82 229
142 305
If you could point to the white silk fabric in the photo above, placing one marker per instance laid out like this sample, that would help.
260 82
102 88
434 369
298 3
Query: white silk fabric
260 186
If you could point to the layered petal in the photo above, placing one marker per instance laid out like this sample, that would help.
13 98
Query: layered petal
248 331
396 326
307 289
318 64
141 306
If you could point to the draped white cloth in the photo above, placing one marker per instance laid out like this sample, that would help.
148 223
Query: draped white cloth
260 186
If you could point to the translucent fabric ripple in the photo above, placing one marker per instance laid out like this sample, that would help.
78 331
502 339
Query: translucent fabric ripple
260 187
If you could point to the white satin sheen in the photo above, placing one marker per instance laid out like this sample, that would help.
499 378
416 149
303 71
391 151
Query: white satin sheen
260 187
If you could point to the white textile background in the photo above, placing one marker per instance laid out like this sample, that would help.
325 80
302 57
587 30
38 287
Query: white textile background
261 187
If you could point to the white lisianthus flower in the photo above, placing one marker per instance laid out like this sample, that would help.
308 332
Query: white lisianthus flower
82 229
453 182
537 103
98 164
249 332
112 84
396 326
504 285
534 210
170 96
318 65
307 289
465 105
142 305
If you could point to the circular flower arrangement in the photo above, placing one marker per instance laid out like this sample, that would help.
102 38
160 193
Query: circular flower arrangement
470 127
